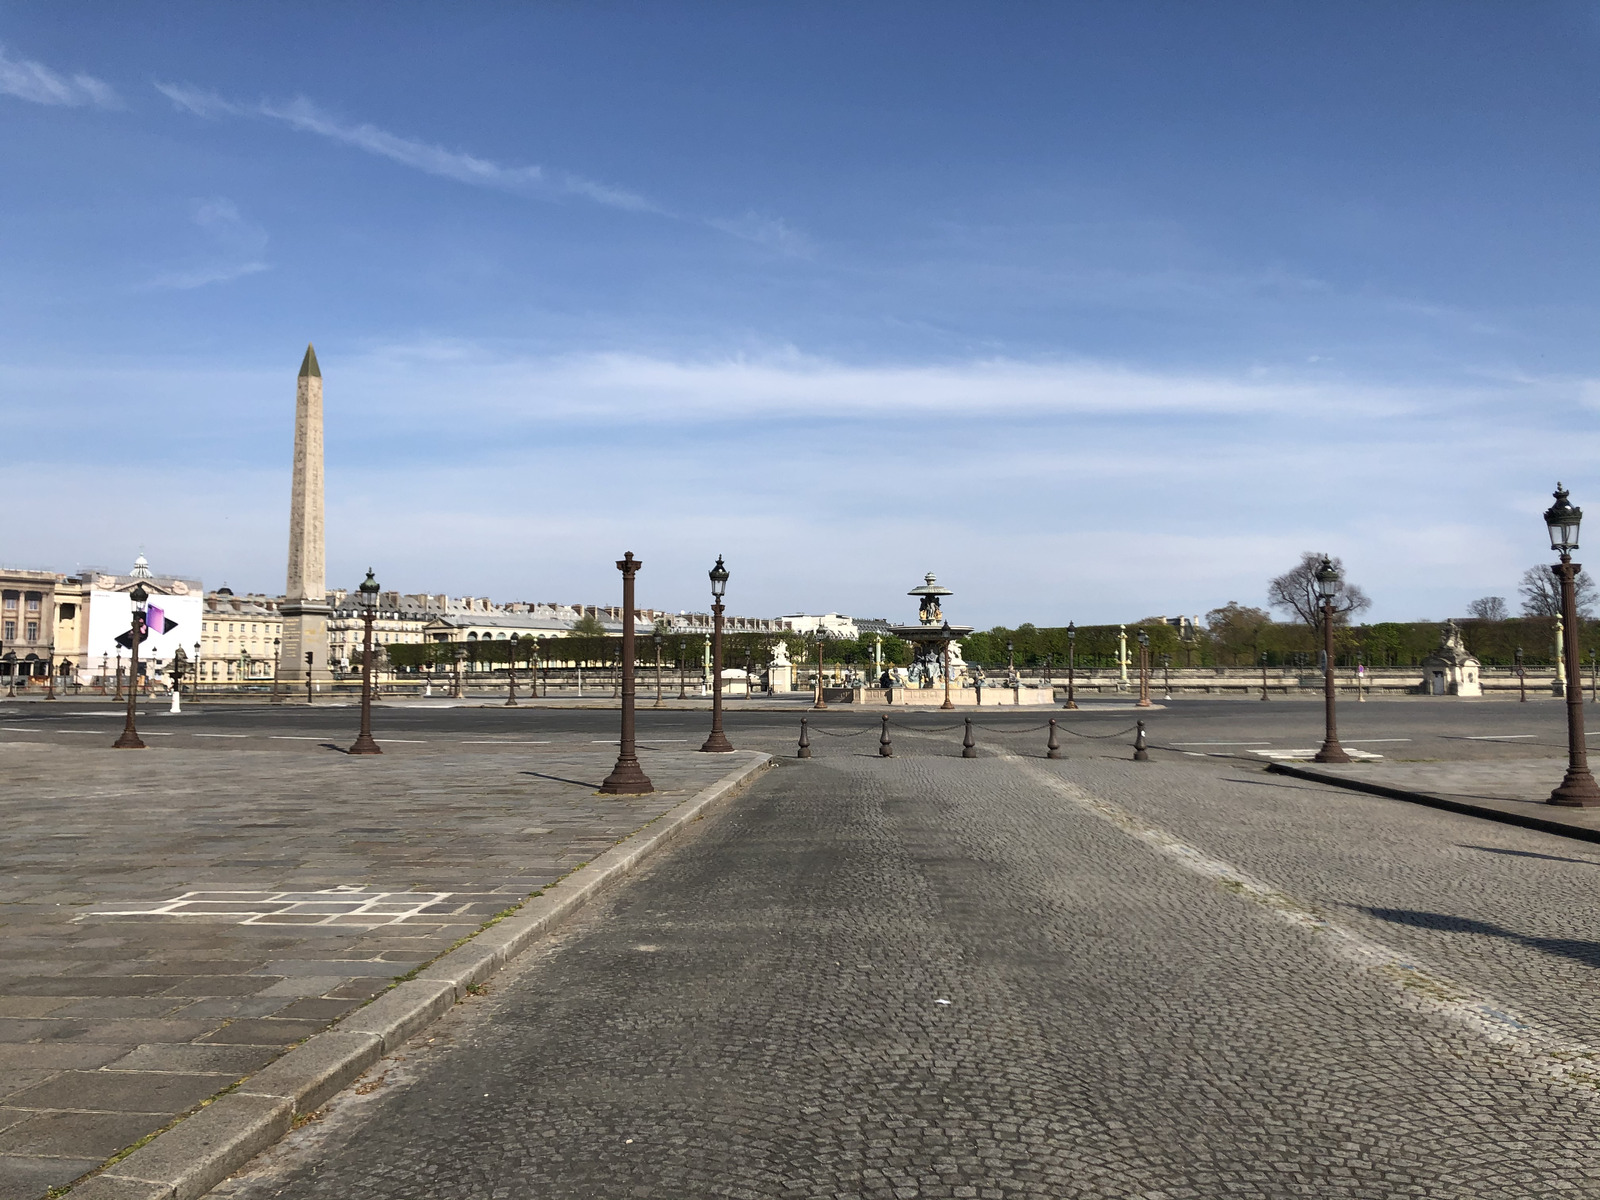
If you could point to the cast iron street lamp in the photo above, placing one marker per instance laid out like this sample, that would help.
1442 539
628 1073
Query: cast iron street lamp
820 702
130 736
277 658
50 671
11 674
1072 665
511 671
1328 588
1522 678
718 742
657 638
627 778
369 609
948 703
1578 789
1166 677
1144 671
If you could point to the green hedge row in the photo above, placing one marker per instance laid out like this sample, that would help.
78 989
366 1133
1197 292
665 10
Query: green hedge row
1386 643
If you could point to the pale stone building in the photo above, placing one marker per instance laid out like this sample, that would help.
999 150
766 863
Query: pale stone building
241 637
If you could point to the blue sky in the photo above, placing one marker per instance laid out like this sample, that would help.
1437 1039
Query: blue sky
1098 311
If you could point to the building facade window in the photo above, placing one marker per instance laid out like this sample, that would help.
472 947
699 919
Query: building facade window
11 628
33 602
33 631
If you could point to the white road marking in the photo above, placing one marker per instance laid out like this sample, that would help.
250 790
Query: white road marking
342 905
1493 737
1371 741
229 735
1222 743
1310 753
500 742
291 737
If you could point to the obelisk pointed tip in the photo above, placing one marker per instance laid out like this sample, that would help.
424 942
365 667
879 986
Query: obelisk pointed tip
308 366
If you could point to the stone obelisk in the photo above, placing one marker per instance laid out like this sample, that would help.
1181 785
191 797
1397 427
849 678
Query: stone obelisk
305 609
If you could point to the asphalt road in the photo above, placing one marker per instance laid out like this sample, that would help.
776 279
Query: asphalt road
1412 729
930 977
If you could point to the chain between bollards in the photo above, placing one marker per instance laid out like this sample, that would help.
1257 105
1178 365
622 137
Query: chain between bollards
805 742
969 748
1140 754
1052 748
885 746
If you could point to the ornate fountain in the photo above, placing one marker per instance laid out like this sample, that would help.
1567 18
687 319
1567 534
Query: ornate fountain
934 641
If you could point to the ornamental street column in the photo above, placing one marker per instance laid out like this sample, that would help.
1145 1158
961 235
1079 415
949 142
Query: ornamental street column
305 609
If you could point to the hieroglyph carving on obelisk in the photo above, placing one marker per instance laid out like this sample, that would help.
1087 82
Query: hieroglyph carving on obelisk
305 609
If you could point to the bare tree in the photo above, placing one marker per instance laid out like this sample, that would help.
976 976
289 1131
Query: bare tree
1489 608
1295 591
1541 593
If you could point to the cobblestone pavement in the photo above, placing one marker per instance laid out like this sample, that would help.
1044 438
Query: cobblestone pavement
172 920
929 977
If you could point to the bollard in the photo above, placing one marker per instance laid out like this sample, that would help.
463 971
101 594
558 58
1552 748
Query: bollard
969 748
1052 748
1140 754
805 742
885 746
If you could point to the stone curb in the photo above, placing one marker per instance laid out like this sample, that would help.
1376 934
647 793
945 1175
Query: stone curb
1465 808
199 1152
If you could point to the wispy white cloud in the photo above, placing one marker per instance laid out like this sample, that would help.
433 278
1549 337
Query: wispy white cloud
642 388
302 115
234 247
770 231
201 276
38 84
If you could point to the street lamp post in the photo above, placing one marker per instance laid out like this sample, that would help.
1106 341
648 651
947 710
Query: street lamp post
1577 789
1166 677
1328 587
1263 674
657 638
11 674
1522 678
948 703
511 671
1144 671
820 702
277 657
627 778
1072 665
718 742
369 609
130 735
50 671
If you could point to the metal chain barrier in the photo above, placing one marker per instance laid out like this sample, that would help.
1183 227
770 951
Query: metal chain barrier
969 745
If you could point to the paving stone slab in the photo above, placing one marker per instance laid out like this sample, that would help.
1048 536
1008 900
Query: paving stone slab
142 950
1516 792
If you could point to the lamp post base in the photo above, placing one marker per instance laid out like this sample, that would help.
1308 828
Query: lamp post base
717 743
1577 790
128 741
627 778
1331 752
365 745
